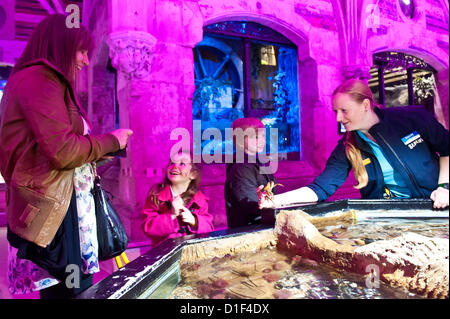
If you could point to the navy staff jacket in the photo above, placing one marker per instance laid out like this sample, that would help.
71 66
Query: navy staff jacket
411 139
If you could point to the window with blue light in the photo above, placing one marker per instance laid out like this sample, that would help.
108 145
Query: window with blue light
244 69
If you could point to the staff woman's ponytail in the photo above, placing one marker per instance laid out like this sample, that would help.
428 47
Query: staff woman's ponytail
354 156
358 91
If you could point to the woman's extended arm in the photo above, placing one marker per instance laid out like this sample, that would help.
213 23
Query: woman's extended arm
300 195
323 186
443 169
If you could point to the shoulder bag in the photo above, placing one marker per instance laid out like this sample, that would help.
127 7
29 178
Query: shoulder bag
112 238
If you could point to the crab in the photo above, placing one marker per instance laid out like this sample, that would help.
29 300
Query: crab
268 190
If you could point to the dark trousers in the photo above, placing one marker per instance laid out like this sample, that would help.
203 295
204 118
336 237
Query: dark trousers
70 236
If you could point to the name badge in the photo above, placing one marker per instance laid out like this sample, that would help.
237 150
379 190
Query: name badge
366 161
411 140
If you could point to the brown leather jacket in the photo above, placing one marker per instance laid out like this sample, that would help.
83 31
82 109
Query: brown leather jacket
41 144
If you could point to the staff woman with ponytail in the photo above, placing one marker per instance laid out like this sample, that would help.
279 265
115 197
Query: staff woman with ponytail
400 152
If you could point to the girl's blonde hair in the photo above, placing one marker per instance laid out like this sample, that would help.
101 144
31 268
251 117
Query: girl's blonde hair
358 90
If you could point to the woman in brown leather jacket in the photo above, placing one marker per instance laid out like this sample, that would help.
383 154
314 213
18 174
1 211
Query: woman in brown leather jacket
45 153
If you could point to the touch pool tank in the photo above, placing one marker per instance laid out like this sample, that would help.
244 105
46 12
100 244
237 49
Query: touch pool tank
244 263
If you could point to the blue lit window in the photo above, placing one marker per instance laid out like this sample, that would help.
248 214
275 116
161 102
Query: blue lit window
244 69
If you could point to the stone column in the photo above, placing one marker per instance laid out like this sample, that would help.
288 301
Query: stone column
352 18
131 53
155 85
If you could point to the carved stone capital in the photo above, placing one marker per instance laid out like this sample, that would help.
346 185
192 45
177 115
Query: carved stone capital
356 72
131 52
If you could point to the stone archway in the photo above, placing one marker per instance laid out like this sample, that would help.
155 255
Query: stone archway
295 35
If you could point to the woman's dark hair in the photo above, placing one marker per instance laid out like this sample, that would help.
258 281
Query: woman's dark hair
54 41
194 185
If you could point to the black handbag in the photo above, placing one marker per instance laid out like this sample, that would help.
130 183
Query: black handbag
112 238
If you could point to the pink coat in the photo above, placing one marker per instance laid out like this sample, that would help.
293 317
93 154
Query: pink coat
159 225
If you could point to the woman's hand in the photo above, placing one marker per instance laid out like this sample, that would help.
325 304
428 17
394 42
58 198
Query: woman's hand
122 135
440 197
264 199
187 217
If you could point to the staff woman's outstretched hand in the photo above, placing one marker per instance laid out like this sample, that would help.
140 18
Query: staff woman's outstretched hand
122 135
440 197
264 199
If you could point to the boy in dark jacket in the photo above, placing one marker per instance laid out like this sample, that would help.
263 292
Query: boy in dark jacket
245 174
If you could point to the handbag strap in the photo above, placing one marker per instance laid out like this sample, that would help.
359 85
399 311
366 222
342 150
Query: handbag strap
94 169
